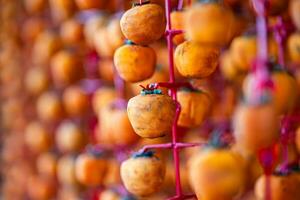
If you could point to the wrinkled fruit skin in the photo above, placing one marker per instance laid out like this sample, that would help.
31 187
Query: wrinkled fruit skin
216 174
135 63
196 60
151 115
195 106
135 29
143 176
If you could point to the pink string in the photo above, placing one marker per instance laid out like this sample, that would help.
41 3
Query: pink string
173 91
284 139
173 86
261 71
287 127
280 36
119 85
262 75
180 5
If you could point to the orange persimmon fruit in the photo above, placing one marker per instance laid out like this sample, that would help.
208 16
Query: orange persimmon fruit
195 60
143 173
134 27
151 113
134 62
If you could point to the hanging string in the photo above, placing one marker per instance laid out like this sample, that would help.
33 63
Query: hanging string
180 5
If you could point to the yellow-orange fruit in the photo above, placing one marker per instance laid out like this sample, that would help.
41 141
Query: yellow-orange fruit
49 107
135 63
46 44
142 174
71 32
102 97
196 60
91 27
36 80
294 12
195 107
69 137
285 91
46 165
106 69
66 68
297 139
123 134
37 137
66 171
243 51
210 23
114 33
40 188
253 169
68 193
216 174
281 187
255 126
177 22
102 43
229 69
89 4
151 115
76 101
61 9
112 177
293 45
134 27
32 28
35 6
90 169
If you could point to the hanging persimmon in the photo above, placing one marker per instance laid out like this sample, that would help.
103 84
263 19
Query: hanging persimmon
143 173
195 107
151 113
90 168
216 174
109 133
209 22
256 126
143 24
195 60
134 62
75 101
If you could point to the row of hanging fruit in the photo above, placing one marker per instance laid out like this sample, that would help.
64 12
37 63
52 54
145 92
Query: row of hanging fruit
150 100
